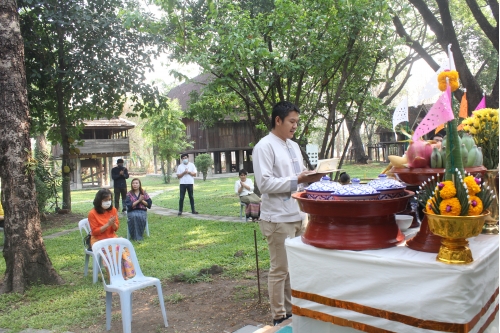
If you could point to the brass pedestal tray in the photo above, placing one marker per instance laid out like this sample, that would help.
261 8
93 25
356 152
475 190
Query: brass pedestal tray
454 231
425 240
491 223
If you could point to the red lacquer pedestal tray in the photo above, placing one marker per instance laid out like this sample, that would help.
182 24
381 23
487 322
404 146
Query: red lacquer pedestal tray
425 240
352 224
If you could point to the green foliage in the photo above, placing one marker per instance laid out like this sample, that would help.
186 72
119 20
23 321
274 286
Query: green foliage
317 54
84 60
47 182
203 162
166 133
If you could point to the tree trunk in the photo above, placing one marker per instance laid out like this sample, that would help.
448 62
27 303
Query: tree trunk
26 259
357 143
63 124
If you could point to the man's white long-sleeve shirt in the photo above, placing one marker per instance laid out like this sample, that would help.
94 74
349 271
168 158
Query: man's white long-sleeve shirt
276 165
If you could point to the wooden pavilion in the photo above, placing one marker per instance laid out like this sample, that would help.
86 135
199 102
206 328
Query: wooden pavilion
227 141
103 139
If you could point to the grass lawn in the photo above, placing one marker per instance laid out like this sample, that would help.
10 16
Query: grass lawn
177 245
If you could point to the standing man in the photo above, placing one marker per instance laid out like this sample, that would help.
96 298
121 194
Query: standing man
278 171
186 172
120 175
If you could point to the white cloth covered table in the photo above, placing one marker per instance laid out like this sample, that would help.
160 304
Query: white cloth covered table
393 290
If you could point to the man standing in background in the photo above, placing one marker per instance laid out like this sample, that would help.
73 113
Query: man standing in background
120 175
186 172
279 171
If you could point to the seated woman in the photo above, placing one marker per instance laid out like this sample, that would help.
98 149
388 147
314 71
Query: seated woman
244 188
137 203
104 223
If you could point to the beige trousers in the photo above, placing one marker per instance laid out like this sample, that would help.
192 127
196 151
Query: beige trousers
280 292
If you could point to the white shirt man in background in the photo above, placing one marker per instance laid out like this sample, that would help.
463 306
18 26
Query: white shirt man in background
186 172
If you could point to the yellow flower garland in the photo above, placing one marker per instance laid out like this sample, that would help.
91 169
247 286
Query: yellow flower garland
472 187
452 80
448 191
450 207
475 207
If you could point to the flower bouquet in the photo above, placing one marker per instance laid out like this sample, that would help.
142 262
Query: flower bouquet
483 127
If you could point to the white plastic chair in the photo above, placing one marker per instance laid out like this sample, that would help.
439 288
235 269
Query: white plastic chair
110 251
84 227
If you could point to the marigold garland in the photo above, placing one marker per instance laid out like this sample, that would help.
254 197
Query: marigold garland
429 205
476 206
472 185
452 80
450 207
447 189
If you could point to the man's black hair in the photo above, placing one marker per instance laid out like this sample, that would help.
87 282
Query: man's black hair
119 161
184 155
282 109
242 172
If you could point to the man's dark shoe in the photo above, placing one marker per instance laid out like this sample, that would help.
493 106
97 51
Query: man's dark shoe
179 213
276 322
195 212
288 315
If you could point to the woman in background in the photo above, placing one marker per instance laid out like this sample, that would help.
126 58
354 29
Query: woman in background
137 203
244 188
104 223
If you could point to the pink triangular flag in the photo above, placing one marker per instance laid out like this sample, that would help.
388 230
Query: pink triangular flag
439 113
482 104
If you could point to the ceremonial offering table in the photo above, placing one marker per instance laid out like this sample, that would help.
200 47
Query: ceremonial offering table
393 290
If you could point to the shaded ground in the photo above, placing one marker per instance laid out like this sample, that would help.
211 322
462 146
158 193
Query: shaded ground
222 305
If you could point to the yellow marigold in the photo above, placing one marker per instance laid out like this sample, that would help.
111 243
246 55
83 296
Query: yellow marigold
472 130
475 206
472 186
447 189
428 205
450 207
452 80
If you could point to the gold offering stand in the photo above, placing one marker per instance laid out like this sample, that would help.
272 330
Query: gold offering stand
491 223
425 240
454 231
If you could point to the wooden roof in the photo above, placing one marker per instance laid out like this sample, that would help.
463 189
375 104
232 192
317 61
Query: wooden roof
114 123
182 91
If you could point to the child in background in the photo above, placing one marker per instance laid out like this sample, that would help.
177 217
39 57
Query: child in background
344 178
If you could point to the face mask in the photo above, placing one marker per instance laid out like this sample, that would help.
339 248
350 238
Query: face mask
185 161
106 204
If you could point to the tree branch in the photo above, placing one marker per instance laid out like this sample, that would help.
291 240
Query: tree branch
490 31
414 44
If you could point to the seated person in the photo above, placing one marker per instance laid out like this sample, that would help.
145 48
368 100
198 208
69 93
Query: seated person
344 178
137 203
104 223
244 188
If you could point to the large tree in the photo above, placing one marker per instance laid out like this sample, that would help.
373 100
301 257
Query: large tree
471 27
25 256
84 59
320 55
